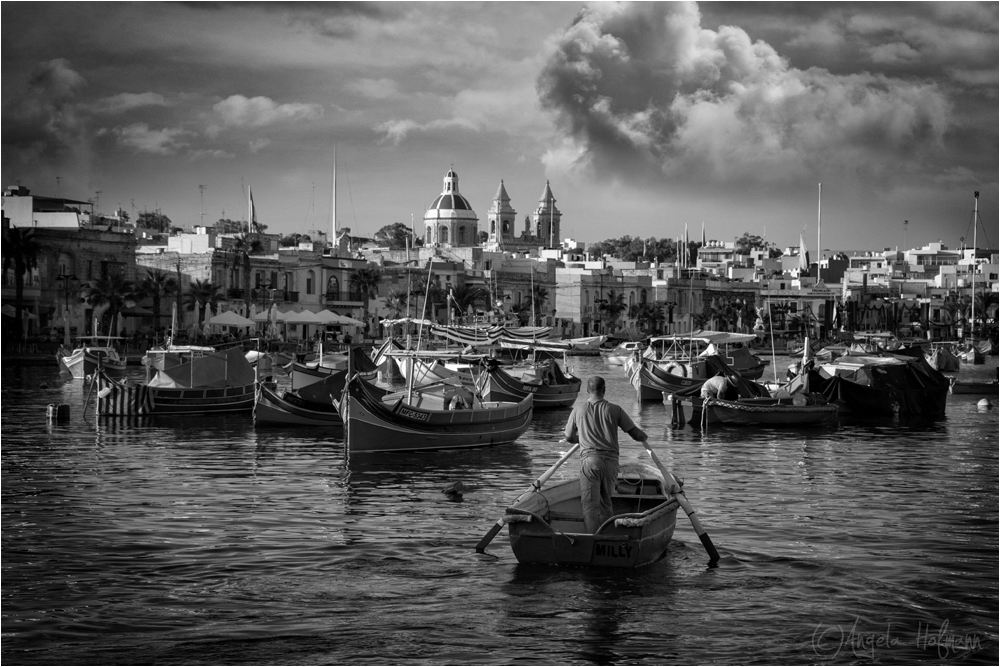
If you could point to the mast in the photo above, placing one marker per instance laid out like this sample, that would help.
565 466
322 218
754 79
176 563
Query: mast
333 202
975 228
420 331
532 298
819 227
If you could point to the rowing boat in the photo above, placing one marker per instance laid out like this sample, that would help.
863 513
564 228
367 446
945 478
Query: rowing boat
546 524
974 387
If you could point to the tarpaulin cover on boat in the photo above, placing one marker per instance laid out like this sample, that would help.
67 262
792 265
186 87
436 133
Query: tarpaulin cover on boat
906 384
226 368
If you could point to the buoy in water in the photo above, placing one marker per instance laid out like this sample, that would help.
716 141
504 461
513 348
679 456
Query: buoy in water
58 413
984 404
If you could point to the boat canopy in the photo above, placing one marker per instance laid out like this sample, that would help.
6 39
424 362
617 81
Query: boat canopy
717 337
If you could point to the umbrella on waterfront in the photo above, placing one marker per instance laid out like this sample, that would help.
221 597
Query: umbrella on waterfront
272 327
303 317
344 319
173 322
231 319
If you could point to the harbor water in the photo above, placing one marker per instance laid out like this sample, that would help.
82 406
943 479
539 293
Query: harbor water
205 541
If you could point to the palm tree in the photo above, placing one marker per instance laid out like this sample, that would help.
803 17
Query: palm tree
111 291
465 296
200 294
536 300
646 315
986 307
20 249
157 285
365 282
611 308
244 246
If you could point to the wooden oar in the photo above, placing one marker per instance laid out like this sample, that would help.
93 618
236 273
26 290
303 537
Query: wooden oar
536 485
685 505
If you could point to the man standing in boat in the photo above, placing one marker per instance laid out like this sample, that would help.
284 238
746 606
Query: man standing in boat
595 425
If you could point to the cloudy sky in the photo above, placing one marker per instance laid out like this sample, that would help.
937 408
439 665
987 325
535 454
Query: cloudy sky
644 117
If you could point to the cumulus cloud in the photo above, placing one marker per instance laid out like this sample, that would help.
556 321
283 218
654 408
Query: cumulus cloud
141 138
241 111
645 91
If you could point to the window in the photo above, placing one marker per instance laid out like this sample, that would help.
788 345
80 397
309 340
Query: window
461 235
310 281
443 234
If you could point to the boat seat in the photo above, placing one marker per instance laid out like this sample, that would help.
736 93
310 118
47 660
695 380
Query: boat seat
625 488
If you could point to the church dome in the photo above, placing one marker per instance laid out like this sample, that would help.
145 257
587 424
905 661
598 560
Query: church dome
450 219
453 201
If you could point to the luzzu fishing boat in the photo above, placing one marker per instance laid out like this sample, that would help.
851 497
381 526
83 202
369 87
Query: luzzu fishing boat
546 524
182 381
617 356
444 415
544 380
427 367
317 404
96 352
795 410
902 384
304 374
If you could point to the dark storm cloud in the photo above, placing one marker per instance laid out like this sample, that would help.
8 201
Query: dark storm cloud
42 125
648 90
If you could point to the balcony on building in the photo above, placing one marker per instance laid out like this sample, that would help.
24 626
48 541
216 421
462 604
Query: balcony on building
343 298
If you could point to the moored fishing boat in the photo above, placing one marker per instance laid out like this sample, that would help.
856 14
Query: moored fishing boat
95 352
427 418
304 374
796 410
544 380
684 349
182 382
426 367
901 384
984 387
546 524
619 354
941 358
654 380
970 354
314 405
